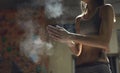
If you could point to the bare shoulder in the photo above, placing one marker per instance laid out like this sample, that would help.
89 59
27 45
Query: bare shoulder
106 7
107 11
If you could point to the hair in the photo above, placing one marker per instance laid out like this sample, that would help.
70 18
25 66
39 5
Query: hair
98 2
84 5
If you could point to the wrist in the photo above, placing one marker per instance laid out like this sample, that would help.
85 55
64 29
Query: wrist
71 36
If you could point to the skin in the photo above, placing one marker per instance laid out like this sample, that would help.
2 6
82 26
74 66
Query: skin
87 47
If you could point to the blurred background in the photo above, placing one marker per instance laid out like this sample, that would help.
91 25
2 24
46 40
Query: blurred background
25 46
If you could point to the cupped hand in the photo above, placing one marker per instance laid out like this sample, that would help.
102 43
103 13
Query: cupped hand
58 33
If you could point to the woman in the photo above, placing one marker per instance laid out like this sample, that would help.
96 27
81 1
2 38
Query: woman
90 44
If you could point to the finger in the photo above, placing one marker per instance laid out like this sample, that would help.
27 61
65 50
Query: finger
53 28
57 32
60 33
58 38
54 33
55 38
59 27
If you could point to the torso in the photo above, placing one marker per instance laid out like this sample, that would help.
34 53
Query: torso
91 54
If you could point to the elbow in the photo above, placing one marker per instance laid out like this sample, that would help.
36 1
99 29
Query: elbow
104 45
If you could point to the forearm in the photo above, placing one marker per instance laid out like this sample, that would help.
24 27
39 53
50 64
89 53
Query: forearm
90 41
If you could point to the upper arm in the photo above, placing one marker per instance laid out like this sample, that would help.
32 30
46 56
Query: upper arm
107 20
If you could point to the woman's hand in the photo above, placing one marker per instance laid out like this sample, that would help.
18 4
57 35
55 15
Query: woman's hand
58 33
76 48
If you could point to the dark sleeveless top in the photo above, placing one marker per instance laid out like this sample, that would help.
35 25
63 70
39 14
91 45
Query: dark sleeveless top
92 25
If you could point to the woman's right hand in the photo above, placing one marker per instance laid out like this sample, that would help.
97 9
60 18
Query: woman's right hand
58 33
76 48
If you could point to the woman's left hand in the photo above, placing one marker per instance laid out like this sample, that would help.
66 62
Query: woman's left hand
58 33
